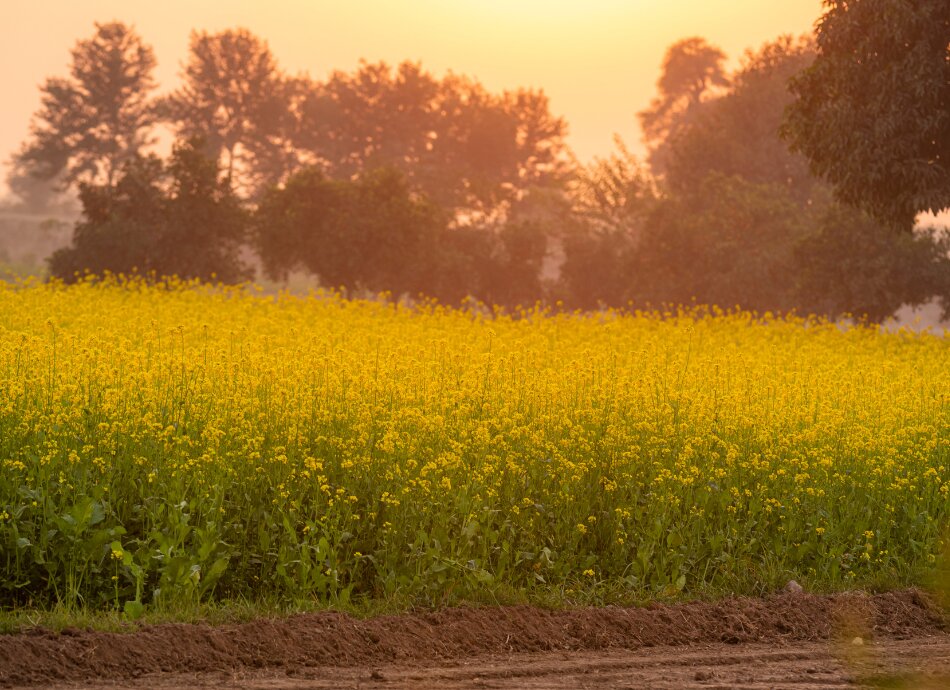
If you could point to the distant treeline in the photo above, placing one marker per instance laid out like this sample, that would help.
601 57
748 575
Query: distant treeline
391 179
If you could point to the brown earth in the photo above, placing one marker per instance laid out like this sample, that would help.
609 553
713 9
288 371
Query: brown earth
791 640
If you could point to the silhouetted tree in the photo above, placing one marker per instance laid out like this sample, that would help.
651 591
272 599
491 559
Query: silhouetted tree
497 264
236 98
736 132
614 194
205 225
873 112
179 219
371 118
692 70
462 146
598 269
851 263
371 233
97 119
120 226
739 211
730 242
613 198
510 274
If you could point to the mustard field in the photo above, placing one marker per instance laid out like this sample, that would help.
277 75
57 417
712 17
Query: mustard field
184 443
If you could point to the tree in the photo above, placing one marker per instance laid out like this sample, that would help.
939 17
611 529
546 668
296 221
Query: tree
598 269
175 219
736 131
371 233
371 118
616 193
99 118
849 263
613 198
119 226
729 243
205 226
235 97
872 113
781 241
692 70
460 145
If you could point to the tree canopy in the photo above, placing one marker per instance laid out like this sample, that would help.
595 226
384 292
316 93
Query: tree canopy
97 119
736 131
389 178
370 233
235 97
461 145
738 219
692 70
177 219
872 114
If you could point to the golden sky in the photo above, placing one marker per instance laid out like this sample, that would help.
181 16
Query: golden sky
598 60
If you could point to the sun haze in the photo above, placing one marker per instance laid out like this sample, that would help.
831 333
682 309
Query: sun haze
598 61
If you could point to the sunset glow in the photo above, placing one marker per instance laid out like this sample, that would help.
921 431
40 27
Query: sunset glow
598 61
323 323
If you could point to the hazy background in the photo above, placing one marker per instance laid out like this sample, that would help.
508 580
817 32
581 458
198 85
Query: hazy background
336 182
598 61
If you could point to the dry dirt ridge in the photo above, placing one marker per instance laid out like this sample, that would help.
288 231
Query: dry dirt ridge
791 640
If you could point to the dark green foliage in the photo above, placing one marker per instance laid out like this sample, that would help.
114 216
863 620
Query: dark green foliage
728 243
371 234
849 262
742 222
873 112
496 265
177 220
119 226
375 234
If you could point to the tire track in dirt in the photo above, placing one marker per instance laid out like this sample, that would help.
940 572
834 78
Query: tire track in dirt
918 663
739 642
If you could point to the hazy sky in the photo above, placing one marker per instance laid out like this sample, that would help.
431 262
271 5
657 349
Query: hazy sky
598 60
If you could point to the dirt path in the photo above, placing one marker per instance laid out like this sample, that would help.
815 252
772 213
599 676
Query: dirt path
917 664
799 641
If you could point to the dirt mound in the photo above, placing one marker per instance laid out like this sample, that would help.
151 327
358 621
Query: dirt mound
332 639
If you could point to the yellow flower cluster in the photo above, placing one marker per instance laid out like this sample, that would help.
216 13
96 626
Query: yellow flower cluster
317 445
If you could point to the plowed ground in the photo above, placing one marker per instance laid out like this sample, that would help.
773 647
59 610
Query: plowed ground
793 640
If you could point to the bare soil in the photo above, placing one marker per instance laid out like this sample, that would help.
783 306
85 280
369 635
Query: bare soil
791 640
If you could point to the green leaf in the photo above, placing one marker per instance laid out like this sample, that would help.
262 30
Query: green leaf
133 610
214 573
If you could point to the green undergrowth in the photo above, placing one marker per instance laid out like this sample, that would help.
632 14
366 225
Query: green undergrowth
60 617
